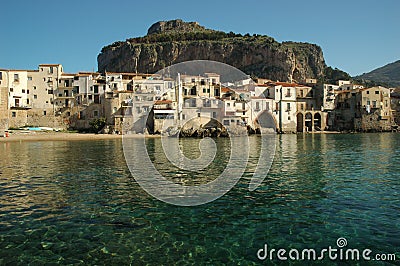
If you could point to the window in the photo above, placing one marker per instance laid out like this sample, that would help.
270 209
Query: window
214 114
288 118
367 92
27 91
368 103
288 93
302 106
34 87
51 70
27 101
204 90
14 114
198 114
95 113
226 122
16 77
44 112
11 89
1 75
90 97
228 104
29 78
276 106
49 91
386 103
257 105
115 109
376 92
23 91
288 106
374 104
34 96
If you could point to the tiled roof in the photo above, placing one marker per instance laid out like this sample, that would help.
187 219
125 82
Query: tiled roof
163 102
225 89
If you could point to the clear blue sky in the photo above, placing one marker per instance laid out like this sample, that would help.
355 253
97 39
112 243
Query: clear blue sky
356 36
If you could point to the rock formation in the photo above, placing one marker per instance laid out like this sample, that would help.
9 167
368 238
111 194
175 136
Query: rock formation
176 41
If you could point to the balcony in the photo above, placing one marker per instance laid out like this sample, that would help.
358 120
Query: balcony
127 104
20 107
64 95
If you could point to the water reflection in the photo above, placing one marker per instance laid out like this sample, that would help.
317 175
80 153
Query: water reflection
76 202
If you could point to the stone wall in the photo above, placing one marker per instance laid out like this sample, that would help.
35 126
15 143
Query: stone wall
372 122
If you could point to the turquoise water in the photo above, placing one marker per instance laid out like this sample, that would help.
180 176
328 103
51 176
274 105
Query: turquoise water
75 202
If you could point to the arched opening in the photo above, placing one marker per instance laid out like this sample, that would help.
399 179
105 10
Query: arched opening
308 122
317 121
265 122
300 122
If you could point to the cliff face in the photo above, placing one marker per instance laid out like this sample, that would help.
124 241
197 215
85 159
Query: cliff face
173 42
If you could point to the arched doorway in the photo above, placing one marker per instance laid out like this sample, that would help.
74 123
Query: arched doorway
317 121
300 122
308 121
266 122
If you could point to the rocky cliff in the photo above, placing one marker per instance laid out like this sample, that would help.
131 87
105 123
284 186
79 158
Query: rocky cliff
176 41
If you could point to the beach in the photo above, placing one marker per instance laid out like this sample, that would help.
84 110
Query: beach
63 136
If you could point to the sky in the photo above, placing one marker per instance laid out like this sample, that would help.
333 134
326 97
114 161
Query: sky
355 36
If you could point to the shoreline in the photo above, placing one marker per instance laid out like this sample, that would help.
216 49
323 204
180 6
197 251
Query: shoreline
21 136
64 136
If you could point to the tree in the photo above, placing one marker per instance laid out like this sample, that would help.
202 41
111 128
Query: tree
97 124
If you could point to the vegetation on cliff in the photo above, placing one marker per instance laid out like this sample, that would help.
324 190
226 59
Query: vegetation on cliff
170 42
388 75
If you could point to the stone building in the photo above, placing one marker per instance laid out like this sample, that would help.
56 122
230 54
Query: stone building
395 106
309 115
363 109
373 111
